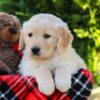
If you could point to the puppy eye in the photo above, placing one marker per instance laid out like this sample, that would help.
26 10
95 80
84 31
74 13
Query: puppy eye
46 36
30 34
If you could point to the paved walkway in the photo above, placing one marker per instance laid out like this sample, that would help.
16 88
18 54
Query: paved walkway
95 94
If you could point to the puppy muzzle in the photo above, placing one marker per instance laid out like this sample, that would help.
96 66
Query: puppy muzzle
36 51
12 30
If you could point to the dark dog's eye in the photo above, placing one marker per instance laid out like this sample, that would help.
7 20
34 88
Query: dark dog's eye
46 36
30 34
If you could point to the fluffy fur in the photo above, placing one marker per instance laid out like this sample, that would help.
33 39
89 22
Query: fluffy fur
56 58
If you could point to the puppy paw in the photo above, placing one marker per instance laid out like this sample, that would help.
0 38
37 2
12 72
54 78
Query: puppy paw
63 84
46 87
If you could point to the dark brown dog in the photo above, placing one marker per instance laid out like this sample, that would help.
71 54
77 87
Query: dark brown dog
9 35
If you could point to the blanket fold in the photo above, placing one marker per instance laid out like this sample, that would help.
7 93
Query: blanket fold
18 87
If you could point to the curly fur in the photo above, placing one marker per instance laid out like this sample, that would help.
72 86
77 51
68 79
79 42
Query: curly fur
9 35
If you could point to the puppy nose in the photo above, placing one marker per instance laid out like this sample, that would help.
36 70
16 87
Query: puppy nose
12 30
35 50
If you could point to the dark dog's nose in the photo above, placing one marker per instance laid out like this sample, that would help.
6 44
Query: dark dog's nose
36 50
12 30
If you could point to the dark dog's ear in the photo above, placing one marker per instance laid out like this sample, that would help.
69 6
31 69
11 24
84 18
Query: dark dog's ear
21 42
65 38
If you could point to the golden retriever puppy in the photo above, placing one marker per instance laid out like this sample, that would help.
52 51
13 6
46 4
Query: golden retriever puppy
48 54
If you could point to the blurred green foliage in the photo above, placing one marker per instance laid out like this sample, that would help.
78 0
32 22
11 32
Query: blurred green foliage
82 16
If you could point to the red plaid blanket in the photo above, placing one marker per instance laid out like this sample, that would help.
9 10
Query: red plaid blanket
18 87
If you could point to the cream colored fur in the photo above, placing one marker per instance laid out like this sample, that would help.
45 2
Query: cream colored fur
57 57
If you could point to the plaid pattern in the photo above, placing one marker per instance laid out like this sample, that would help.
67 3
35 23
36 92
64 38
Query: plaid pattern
17 87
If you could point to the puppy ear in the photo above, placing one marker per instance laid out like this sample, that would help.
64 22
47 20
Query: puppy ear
21 43
65 38
21 40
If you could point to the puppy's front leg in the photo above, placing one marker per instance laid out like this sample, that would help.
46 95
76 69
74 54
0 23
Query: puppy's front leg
62 79
45 81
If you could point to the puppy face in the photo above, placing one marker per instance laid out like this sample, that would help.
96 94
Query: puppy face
11 36
9 28
43 36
